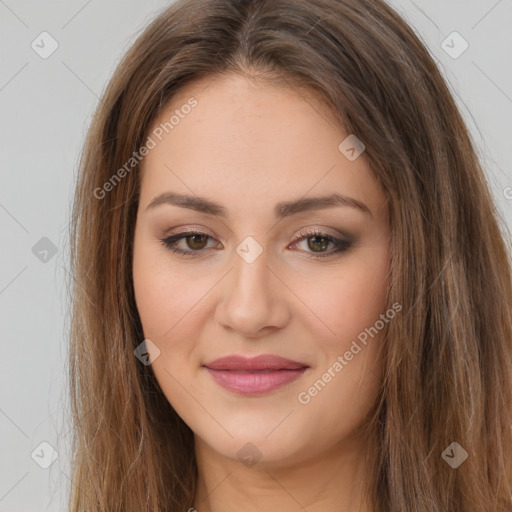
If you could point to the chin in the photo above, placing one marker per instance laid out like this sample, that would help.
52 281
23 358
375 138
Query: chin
263 445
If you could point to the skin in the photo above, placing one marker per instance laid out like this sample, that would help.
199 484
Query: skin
249 145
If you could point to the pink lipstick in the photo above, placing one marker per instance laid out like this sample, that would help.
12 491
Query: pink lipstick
253 376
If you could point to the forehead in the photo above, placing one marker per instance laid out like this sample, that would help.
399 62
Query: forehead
252 141
255 113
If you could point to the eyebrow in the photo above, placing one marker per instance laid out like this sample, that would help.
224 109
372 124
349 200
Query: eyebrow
281 210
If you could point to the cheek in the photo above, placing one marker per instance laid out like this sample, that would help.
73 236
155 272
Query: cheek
351 299
338 394
168 307
163 295
152 293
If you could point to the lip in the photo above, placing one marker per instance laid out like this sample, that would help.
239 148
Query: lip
262 362
256 375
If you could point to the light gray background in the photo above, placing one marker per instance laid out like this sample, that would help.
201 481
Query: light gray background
46 106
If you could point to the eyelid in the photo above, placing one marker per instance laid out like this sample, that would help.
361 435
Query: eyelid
200 230
320 231
303 232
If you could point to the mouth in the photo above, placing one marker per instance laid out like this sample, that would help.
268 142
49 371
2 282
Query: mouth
254 376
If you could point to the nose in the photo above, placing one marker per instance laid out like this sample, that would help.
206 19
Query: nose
254 299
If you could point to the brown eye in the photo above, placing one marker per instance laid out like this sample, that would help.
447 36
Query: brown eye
318 243
190 243
197 242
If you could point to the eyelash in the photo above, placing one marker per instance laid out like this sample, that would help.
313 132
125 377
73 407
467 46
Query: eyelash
341 246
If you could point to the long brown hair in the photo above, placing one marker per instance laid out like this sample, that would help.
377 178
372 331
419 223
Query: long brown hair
448 361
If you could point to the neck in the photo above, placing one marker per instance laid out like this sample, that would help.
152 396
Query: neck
332 481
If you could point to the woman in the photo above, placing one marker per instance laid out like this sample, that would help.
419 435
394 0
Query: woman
292 292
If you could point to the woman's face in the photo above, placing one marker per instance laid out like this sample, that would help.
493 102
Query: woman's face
273 270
